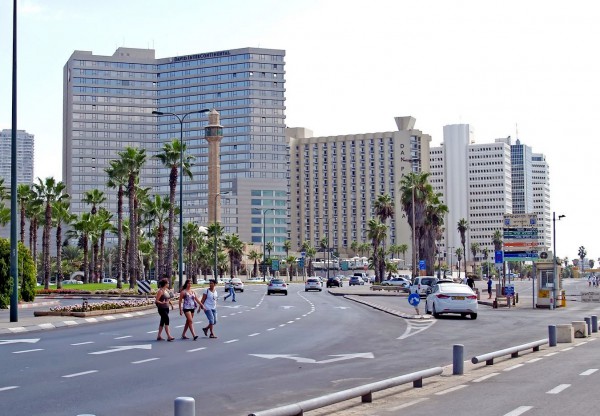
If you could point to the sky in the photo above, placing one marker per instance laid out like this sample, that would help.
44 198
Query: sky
526 69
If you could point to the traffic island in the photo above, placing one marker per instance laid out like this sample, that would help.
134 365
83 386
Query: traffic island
93 313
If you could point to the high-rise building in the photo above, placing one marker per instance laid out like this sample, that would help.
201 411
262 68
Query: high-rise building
108 104
483 182
25 148
335 180
541 198
522 180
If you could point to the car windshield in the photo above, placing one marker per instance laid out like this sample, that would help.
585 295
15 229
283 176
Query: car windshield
312 281
428 281
276 281
455 288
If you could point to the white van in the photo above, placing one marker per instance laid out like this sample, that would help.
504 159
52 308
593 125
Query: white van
363 276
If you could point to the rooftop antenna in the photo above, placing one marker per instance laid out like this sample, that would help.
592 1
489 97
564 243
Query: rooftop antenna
517 130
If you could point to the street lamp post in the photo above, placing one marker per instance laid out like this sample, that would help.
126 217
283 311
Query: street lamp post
264 211
180 119
554 257
414 241
449 252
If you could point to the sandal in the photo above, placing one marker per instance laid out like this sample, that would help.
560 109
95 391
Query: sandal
212 336
184 337
195 337
160 339
205 330
171 339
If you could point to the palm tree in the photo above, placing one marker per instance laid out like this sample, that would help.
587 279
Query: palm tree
254 256
133 160
287 246
61 214
23 197
459 253
383 208
377 233
214 234
582 252
354 247
474 251
171 159
235 249
463 226
93 197
117 178
49 191
403 248
291 261
4 194
4 215
35 212
486 254
156 211
104 225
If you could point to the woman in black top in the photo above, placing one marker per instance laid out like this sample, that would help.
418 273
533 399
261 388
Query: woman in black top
163 301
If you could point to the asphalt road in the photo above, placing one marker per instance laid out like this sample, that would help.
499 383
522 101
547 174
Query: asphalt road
271 350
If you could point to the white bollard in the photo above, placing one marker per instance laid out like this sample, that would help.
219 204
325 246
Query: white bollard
185 406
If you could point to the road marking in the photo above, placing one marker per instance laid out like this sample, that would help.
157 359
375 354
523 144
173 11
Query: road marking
123 337
592 339
197 349
558 388
450 390
178 326
255 334
80 374
480 379
588 372
338 357
109 317
513 367
534 360
127 315
144 361
46 326
271 329
413 327
21 352
290 322
152 332
230 341
83 343
580 344
123 348
297 319
16 341
566 349
551 354
70 323
408 404
282 325
519 411
8 388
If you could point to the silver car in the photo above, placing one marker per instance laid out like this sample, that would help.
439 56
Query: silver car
277 286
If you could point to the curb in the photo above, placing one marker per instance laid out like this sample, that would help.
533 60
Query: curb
388 310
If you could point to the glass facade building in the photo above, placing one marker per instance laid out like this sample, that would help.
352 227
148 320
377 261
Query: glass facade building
108 103
25 147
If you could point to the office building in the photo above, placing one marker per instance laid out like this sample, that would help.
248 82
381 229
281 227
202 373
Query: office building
334 181
25 156
108 104
541 198
522 178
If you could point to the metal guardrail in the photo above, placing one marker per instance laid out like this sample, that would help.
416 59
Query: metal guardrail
364 391
513 351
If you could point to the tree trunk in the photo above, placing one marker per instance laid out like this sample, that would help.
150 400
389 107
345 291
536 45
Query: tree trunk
120 237
170 237
58 255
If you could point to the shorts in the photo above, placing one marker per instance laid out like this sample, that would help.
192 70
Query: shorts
211 315
189 310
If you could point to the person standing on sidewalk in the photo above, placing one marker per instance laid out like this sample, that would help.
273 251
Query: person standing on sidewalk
163 302
208 304
231 291
489 287
188 297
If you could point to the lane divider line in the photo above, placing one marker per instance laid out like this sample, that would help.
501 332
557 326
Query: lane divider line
83 373
558 389
519 411
144 361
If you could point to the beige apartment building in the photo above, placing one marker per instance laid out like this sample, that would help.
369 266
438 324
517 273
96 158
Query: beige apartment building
335 180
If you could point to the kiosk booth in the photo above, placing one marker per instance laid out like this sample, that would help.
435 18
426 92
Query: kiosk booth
545 284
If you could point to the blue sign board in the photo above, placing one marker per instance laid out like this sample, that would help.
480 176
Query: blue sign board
498 257
275 265
422 265
520 255
344 265
303 254
301 262
509 290
414 299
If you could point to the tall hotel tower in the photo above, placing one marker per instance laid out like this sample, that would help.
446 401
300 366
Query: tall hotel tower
108 103
25 147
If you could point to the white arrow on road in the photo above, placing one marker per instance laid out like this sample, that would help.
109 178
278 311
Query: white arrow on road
287 307
339 357
124 348
232 306
341 307
15 341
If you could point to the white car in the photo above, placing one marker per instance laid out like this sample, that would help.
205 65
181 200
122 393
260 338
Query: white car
396 281
72 282
313 284
451 298
237 283
109 280
422 285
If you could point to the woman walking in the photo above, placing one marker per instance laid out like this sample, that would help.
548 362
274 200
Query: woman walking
209 305
188 298
163 301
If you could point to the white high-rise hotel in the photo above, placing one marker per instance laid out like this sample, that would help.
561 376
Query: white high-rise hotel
482 182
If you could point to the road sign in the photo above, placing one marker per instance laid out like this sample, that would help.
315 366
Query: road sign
521 256
301 262
509 290
422 265
498 257
303 254
143 286
521 220
520 233
543 255
275 265
414 299
344 265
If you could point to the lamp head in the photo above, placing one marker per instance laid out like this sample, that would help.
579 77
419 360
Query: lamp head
561 216
158 113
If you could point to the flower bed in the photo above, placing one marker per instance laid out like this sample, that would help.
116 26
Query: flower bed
100 308
62 292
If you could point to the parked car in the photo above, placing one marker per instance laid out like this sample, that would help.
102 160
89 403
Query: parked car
334 281
237 283
356 281
312 284
396 281
363 276
422 284
451 298
277 286
72 282
109 280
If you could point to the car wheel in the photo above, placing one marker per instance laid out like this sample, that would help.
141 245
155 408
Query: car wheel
285 293
306 290
426 308
435 314
463 315
269 293
473 316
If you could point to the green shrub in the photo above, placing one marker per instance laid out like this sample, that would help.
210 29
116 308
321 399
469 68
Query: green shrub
26 273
